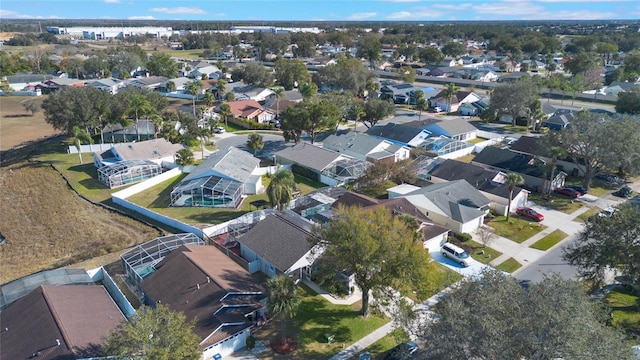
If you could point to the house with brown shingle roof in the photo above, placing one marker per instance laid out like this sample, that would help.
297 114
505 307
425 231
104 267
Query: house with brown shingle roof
250 109
456 100
59 322
211 289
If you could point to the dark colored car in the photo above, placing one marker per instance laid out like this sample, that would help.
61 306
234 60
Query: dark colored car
610 178
530 214
402 351
568 192
624 192
577 188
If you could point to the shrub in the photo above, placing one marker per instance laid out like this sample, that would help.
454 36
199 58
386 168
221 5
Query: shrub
464 236
251 342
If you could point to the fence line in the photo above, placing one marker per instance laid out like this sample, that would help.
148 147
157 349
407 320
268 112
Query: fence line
90 148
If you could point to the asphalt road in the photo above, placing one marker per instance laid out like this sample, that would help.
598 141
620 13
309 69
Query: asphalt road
272 143
551 262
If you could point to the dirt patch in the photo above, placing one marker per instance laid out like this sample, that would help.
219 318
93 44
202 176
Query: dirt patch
18 126
47 225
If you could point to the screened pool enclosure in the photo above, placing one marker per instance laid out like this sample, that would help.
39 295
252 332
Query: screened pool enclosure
209 191
128 172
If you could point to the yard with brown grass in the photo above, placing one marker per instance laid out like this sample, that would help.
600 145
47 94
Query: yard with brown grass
47 225
17 125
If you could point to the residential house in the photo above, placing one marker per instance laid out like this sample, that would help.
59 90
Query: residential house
321 165
531 145
180 84
474 108
452 104
559 120
400 134
528 166
431 232
58 322
159 151
366 147
222 180
213 291
533 65
250 109
110 85
490 183
144 129
276 106
455 204
456 128
59 83
149 82
248 92
279 244
399 93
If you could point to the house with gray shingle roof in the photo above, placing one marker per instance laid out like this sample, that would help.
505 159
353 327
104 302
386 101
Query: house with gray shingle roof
366 147
159 151
400 134
321 165
279 244
221 180
456 128
456 204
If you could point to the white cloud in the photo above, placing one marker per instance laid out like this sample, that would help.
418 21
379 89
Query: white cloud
453 7
144 17
422 14
517 8
362 16
112 1
10 14
179 10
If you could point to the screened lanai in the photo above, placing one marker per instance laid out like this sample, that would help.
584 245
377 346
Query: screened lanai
128 172
443 145
345 170
139 262
209 191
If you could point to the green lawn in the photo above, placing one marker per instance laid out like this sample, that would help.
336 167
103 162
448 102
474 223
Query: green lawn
548 241
483 254
517 229
443 278
589 213
556 202
625 309
184 54
510 265
476 140
315 318
379 348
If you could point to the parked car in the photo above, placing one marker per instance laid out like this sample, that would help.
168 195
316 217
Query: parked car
529 213
577 188
275 123
456 254
568 192
219 130
624 192
365 356
607 212
402 351
610 178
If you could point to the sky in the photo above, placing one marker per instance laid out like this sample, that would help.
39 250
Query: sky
323 10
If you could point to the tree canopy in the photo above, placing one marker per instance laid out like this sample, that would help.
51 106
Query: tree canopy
608 243
290 73
254 74
311 116
494 317
283 299
515 98
281 188
155 333
348 74
376 110
161 64
381 250
629 102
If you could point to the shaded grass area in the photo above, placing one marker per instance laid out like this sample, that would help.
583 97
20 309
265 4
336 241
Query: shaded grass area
316 317
625 309
379 349
510 265
589 213
482 254
443 277
556 202
517 229
550 240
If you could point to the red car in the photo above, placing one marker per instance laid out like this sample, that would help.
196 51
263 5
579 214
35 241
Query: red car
568 192
530 214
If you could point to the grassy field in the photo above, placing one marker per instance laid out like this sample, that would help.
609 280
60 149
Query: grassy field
484 255
589 213
47 225
379 348
625 310
550 240
316 317
517 229
17 125
556 202
442 278
510 265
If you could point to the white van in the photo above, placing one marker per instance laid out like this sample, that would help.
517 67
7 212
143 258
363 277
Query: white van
456 254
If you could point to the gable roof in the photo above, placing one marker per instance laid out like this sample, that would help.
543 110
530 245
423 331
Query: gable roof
453 127
78 316
455 99
281 239
489 181
527 145
143 150
232 163
310 156
456 199
359 144
196 280
245 108
397 132
509 161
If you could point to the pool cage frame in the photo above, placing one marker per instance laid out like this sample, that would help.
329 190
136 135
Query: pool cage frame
210 188
128 172
345 170
139 262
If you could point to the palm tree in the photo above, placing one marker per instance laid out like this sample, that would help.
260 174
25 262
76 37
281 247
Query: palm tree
421 103
450 90
255 143
139 105
512 180
278 91
209 98
171 86
220 86
202 133
225 112
193 88
556 152
184 156
280 189
283 299
102 111
80 136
